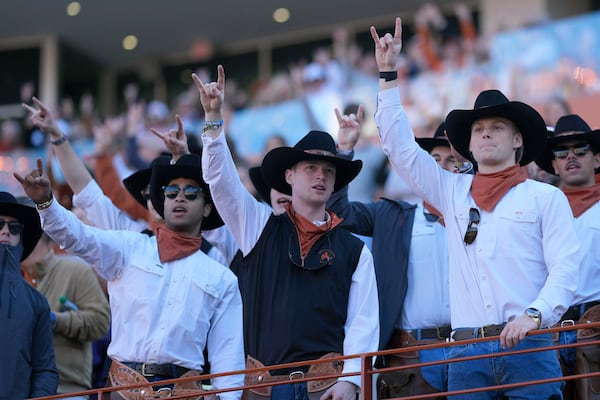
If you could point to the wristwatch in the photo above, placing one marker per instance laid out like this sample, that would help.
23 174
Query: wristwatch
535 315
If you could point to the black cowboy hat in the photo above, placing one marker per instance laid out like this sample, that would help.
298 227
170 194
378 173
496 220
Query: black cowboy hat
188 166
438 139
568 127
492 103
264 191
28 216
137 182
315 145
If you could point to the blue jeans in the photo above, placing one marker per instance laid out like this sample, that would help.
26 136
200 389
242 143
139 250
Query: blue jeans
505 370
293 391
435 375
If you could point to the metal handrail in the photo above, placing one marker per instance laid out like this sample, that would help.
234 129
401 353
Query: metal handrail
367 371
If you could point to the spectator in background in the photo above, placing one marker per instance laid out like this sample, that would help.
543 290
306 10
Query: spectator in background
573 153
10 136
27 367
75 324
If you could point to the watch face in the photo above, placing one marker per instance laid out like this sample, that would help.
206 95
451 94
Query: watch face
533 313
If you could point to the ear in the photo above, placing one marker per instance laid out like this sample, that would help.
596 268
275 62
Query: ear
554 166
596 161
517 140
289 176
207 209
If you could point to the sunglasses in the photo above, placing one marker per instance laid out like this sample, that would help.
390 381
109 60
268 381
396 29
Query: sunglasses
579 150
315 260
471 232
14 227
189 192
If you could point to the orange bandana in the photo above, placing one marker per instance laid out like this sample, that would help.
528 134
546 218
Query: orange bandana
308 232
597 178
174 246
432 210
488 189
582 199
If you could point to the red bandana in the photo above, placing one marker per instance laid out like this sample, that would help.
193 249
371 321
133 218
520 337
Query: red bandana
432 210
174 246
582 199
488 189
308 232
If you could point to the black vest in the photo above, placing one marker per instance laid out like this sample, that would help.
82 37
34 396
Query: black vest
290 313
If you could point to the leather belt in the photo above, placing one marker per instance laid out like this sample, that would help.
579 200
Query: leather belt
575 312
167 370
474 333
441 333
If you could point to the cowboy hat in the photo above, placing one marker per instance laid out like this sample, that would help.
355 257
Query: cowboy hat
28 216
492 103
188 166
139 180
438 139
569 127
315 145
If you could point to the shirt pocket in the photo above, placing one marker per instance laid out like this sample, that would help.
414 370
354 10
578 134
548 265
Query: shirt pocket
147 277
202 301
517 227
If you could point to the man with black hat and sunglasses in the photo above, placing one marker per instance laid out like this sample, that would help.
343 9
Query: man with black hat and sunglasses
168 299
513 256
308 286
573 153
27 362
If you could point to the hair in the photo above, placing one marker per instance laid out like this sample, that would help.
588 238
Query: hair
519 153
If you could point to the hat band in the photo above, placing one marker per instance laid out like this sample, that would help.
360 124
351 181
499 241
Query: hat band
319 152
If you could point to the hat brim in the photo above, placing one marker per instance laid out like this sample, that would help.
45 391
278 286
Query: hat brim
137 182
163 174
527 119
428 144
29 217
264 191
544 160
278 160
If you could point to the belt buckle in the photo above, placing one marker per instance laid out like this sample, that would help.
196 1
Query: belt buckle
144 373
567 322
164 392
296 375
481 331
438 331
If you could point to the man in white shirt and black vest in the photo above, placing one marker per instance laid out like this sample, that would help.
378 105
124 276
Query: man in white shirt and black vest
308 286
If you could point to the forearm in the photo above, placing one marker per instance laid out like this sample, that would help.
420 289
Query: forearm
75 172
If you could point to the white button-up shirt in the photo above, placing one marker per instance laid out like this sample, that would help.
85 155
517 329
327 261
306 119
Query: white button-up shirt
526 253
587 226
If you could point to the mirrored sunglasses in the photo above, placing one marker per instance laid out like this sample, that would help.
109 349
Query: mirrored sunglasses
471 232
14 227
189 192
579 150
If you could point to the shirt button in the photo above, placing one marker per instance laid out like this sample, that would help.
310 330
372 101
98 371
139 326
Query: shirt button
488 306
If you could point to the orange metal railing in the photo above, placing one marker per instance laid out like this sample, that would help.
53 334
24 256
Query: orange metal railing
367 371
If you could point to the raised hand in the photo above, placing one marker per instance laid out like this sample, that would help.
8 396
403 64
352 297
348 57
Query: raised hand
35 184
388 47
349 128
174 139
42 118
212 95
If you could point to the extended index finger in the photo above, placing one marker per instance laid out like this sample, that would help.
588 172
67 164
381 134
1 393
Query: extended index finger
338 114
199 84
40 105
360 113
157 133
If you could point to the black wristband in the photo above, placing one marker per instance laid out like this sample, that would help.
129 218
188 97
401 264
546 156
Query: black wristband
388 75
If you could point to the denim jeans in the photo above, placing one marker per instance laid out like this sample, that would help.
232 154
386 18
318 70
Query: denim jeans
293 391
435 375
505 370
